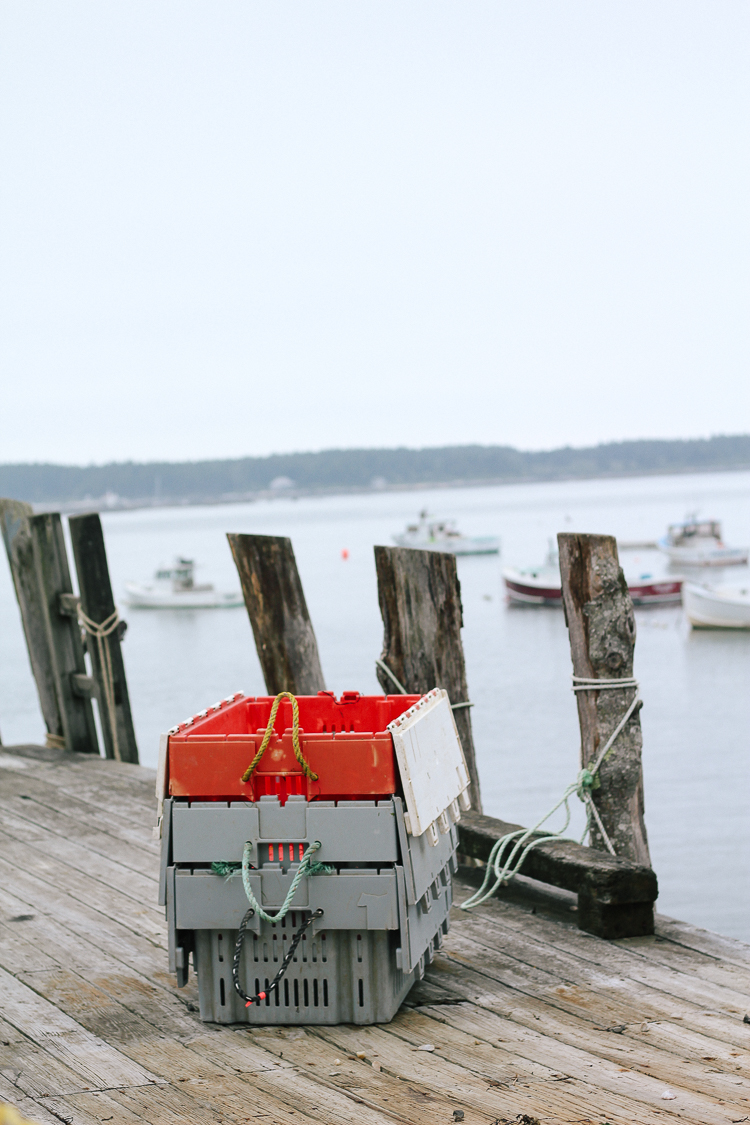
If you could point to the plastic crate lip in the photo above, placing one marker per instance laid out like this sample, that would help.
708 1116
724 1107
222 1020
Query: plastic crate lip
183 802
349 701
207 759
194 736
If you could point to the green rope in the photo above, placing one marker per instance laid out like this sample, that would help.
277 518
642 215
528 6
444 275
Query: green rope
306 867
526 838
234 867
226 869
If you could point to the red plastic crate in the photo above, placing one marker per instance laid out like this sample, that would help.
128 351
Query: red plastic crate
343 740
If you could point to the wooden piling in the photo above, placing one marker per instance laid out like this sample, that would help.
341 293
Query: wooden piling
41 576
601 625
19 545
420 603
98 604
275 600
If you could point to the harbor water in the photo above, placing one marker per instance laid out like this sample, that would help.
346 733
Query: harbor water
696 714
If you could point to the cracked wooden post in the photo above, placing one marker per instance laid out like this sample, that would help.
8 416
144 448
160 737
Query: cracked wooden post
601 625
15 515
41 575
275 600
98 603
420 603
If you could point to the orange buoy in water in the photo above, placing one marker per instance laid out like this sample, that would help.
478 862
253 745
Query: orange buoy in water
344 553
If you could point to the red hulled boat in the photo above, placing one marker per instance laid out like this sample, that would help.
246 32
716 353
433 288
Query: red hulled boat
542 585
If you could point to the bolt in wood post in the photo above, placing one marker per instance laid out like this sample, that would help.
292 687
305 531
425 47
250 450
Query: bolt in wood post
98 603
601 625
275 600
420 603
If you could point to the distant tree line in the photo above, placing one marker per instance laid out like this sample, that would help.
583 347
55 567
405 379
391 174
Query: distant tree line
199 481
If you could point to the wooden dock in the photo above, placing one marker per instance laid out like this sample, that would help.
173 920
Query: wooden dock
521 1018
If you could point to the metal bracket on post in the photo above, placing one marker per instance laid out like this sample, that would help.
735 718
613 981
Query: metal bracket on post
83 686
67 605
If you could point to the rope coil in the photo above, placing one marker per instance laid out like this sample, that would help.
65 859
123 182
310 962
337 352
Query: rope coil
295 738
523 840
100 632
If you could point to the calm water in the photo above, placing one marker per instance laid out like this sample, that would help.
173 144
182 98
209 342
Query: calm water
696 715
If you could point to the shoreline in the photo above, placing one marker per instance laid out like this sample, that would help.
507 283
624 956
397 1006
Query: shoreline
105 504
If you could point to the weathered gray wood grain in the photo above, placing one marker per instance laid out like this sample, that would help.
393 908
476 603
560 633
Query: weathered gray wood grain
601 625
276 606
53 575
534 1033
420 603
41 575
19 545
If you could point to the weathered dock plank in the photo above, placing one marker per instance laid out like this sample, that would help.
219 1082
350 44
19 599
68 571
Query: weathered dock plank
526 1013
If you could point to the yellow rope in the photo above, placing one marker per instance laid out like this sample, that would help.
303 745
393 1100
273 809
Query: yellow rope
295 738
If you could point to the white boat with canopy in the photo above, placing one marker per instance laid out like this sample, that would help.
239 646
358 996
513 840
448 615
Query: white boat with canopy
432 534
175 588
699 543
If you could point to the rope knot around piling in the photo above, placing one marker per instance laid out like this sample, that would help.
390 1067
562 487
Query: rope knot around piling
586 782
101 631
520 842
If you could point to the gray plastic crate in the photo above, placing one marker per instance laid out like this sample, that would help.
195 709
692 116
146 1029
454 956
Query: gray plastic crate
350 831
386 907
337 976
351 900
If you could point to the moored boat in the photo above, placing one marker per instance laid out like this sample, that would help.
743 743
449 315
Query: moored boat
442 535
175 588
699 543
717 607
542 585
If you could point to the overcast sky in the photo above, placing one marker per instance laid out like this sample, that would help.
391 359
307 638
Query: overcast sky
236 228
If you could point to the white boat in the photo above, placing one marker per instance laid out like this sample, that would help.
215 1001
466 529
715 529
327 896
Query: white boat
542 585
432 534
699 543
175 588
717 607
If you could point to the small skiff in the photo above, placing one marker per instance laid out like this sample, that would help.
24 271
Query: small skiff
175 588
441 535
699 543
717 607
542 585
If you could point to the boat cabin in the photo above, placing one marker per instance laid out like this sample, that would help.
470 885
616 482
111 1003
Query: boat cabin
682 534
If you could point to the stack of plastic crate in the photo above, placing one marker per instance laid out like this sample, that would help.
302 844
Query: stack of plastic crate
384 805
